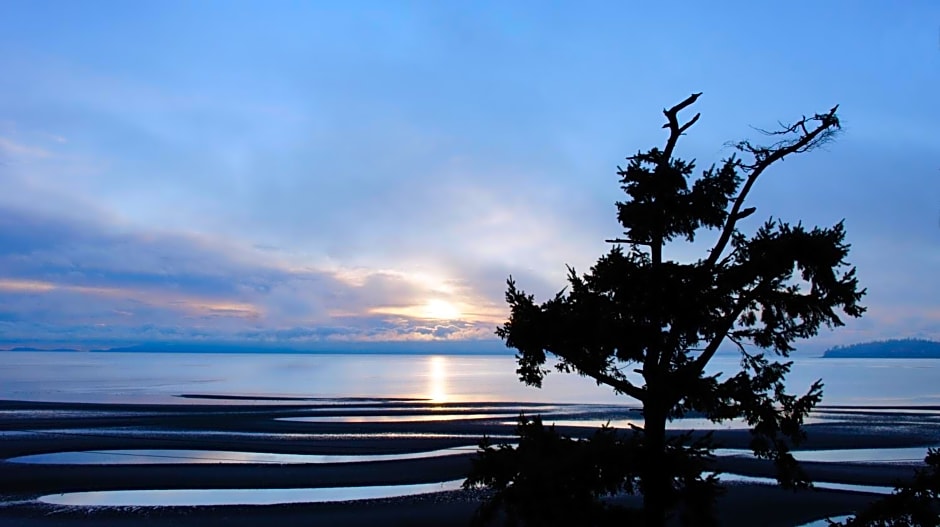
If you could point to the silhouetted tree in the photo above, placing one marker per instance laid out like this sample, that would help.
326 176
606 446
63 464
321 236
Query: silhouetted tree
664 320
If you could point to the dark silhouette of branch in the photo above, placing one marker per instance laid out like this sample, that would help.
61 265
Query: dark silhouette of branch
618 383
672 123
826 126
627 240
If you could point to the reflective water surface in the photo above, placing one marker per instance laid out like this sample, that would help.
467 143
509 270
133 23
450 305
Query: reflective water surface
162 377
678 424
871 489
851 455
397 418
151 457
686 423
823 523
210 497
273 436
911 455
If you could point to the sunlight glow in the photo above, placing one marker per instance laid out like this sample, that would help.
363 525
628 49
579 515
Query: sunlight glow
435 309
441 310
437 379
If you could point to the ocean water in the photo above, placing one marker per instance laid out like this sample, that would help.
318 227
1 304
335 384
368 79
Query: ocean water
163 377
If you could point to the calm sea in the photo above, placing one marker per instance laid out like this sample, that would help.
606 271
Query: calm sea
162 377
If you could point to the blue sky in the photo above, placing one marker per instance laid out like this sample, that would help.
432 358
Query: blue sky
298 171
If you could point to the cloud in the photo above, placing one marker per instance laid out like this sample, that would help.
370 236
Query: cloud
18 150
336 186
90 281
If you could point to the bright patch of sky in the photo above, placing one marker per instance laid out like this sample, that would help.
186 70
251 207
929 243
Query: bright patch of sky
296 171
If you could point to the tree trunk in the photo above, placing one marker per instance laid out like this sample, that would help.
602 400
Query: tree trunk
655 478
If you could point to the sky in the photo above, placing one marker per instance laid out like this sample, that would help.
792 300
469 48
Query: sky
299 172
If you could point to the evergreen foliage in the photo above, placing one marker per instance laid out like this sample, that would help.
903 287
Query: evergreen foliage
635 311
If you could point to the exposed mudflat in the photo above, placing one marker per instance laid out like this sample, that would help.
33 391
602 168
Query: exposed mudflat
39 428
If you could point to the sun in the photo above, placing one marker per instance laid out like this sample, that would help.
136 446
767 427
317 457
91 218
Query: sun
440 310
433 309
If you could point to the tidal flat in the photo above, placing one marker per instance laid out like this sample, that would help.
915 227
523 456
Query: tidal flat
359 466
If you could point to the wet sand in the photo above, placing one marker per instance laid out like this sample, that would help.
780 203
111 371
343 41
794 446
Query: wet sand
254 426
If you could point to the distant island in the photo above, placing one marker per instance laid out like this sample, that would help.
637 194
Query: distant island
887 349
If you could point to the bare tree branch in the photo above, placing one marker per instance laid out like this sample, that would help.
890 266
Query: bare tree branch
619 384
828 124
626 240
673 124
698 365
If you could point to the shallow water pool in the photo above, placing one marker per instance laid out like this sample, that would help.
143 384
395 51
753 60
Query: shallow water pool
211 497
151 457
907 455
871 489
823 523
397 418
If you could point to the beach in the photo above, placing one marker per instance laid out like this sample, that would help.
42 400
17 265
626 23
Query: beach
354 429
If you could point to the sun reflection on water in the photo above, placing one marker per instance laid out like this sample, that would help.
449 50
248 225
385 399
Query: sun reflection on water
437 379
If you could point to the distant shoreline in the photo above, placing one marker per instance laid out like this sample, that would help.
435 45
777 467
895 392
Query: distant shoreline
887 349
490 348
